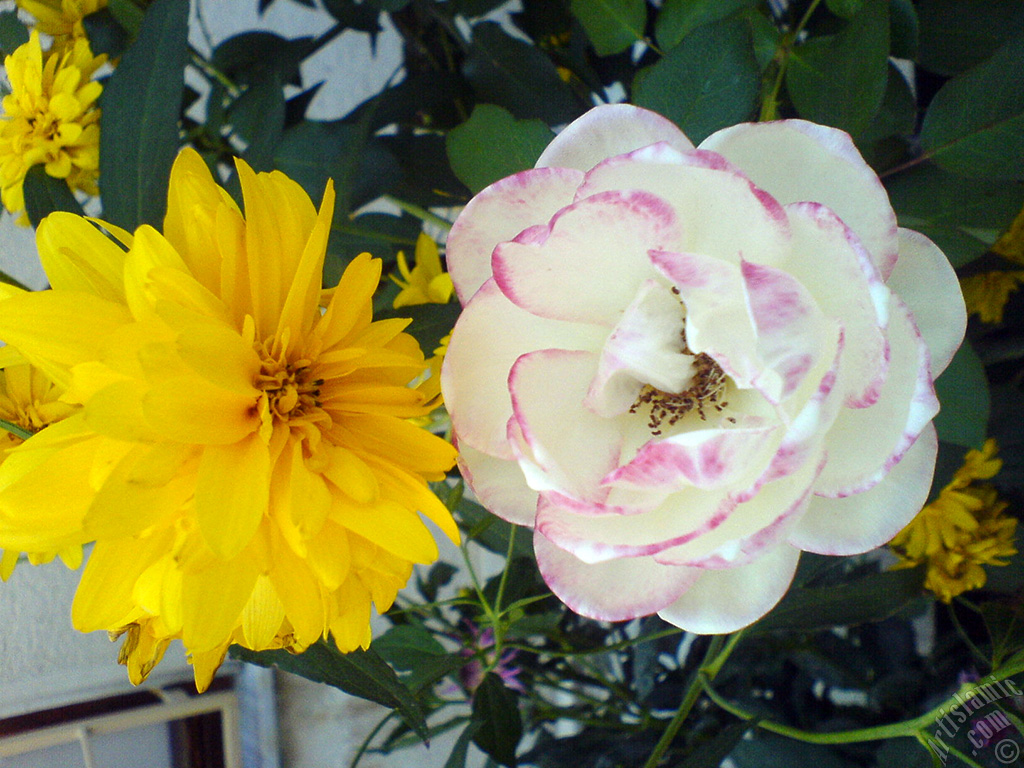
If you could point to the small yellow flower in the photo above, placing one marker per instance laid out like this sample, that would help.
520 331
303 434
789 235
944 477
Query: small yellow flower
50 117
427 283
986 294
29 400
243 458
960 531
61 19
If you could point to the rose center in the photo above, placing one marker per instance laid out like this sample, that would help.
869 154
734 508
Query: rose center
706 391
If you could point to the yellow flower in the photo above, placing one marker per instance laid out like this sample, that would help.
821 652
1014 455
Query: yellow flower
986 294
50 117
61 19
30 401
962 530
427 283
243 458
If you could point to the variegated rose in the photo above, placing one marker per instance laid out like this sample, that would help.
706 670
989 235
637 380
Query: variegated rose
684 366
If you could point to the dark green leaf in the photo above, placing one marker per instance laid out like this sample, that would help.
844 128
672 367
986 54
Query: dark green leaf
845 8
257 116
766 37
472 9
711 753
956 36
359 16
430 322
404 646
12 32
708 81
898 113
963 216
840 81
249 56
868 599
105 33
496 710
128 15
361 673
517 76
427 177
678 18
45 194
975 124
492 144
439 575
766 750
963 393
612 25
903 29
141 104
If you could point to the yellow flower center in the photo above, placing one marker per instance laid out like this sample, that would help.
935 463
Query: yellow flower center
289 389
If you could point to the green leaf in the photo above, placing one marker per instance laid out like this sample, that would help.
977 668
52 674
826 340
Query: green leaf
975 124
963 216
360 673
141 104
898 113
105 33
430 322
257 116
708 81
612 25
1005 624
678 18
496 710
12 32
517 76
493 144
963 392
847 9
45 194
840 81
872 598
128 15
404 646
956 36
904 29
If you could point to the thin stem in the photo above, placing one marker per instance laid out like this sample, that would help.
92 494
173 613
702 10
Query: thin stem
974 649
770 105
875 733
15 430
420 213
365 744
717 654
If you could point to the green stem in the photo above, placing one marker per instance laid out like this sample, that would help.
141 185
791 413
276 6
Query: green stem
717 654
420 213
906 728
15 430
770 105
365 744
974 649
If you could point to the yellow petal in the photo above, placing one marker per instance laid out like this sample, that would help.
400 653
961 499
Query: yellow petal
78 257
232 492
350 309
213 600
56 330
390 526
104 596
262 616
191 410
300 306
